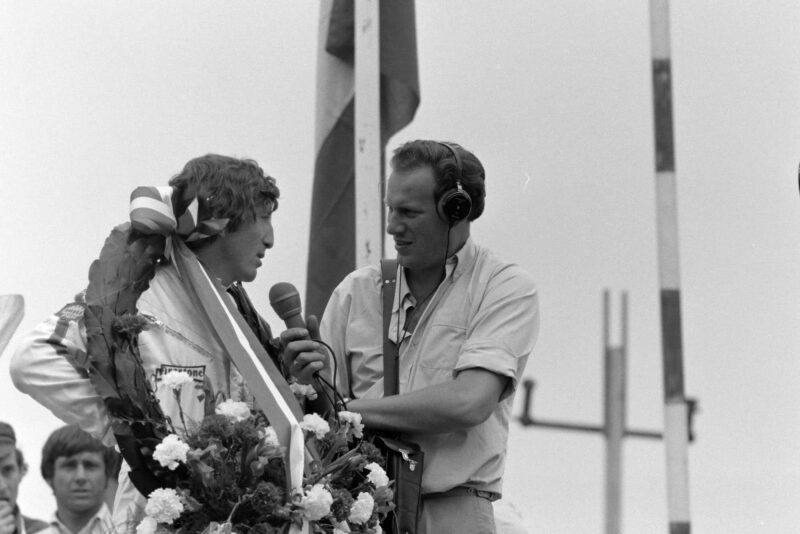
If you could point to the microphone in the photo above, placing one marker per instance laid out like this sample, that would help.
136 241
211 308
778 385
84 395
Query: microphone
285 300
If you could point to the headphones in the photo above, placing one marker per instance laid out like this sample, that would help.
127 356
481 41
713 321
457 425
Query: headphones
455 204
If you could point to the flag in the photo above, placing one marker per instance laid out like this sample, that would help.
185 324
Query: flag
332 232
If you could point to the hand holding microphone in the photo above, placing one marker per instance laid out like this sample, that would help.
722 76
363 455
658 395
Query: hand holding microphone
302 356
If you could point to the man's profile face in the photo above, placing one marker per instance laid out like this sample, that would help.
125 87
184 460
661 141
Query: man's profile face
420 235
244 248
10 474
79 482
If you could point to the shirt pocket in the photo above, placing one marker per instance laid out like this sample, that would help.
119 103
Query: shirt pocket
442 347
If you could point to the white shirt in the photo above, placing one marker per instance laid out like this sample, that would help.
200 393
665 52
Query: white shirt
100 523
485 314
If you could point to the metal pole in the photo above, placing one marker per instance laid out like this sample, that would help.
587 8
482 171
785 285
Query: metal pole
368 190
614 410
676 418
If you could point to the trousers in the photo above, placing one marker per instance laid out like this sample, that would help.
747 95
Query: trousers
457 514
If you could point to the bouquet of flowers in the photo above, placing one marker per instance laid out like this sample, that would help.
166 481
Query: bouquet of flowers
226 473
235 477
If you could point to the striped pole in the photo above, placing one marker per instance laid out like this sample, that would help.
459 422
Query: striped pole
615 360
368 147
676 418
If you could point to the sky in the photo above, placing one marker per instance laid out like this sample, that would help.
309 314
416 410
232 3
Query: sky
99 97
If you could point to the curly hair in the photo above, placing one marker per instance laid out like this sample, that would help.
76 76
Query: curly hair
427 153
227 187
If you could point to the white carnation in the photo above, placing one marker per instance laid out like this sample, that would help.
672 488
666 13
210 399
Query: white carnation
361 509
176 380
238 411
170 452
269 437
303 390
148 525
317 503
354 420
377 475
314 423
164 505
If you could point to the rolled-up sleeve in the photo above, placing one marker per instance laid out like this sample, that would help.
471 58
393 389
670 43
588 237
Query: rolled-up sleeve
502 333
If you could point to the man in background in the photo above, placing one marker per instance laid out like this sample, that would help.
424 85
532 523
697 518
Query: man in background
12 469
78 468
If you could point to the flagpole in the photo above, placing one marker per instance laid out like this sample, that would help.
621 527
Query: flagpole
368 172
676 412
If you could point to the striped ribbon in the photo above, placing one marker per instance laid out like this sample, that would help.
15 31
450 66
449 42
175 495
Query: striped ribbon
271 391
156 210
152 211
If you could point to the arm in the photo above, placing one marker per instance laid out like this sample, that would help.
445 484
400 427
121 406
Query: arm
463 402
500 335
45 366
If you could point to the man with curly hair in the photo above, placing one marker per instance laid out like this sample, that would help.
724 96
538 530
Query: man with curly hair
220 209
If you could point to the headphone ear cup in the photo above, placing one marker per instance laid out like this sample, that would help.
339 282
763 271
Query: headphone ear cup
455 205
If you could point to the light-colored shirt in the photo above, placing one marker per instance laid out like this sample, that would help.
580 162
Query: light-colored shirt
28 525
485 314
100 523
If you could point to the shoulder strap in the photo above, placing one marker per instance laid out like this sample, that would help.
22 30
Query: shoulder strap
391 361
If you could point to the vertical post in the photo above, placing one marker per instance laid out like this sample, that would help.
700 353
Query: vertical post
614 414
675 407
526 418
368 172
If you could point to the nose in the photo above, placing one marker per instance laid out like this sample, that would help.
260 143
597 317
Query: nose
269 236
80 473
393 225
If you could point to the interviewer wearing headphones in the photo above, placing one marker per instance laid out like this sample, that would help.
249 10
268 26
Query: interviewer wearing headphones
464 322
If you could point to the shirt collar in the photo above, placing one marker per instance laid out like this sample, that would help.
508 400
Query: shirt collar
464 258
454 267
99 516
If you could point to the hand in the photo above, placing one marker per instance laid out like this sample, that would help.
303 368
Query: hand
302 356
8 522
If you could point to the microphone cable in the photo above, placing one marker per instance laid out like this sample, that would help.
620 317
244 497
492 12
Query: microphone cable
324 385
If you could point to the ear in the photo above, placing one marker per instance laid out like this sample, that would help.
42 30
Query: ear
23 470
49 482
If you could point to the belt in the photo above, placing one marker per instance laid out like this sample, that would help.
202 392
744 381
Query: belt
464 490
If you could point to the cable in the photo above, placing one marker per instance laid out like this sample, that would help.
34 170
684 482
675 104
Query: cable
322 382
